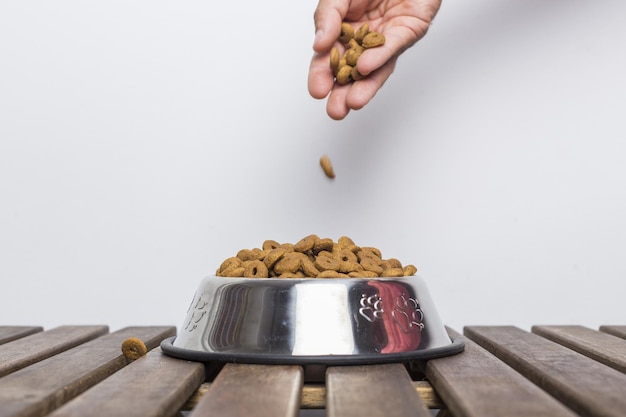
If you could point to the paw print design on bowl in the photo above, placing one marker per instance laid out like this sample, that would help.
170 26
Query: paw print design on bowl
371 307
403 320
195 312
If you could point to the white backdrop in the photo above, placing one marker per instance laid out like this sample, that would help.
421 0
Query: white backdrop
144 142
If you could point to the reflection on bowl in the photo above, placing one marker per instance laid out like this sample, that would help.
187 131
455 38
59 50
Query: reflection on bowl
311 321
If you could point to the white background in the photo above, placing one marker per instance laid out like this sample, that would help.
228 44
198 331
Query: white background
144 142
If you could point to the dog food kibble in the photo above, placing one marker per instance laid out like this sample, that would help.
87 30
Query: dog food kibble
347 32
327 166
313 257
255 269
356 75
372 40
133 348
344 75
343 66
363 30
334 60
409 270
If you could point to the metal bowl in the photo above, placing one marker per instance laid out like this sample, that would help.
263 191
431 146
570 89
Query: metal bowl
311 321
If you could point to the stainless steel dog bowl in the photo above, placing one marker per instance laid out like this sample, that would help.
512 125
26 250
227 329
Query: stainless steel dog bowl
311 321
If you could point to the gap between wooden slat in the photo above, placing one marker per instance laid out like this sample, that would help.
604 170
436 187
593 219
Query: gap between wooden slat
38 389
586 386
475 383
154 385
599 346
314 396
249 389
381 390
10 333
619 331
25 351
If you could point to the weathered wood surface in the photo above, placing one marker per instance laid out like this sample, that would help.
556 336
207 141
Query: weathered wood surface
586 386
602 347
10 333
619 331
154 385
39 346
38 389
314 395
373 391
475 383
551 371
253 390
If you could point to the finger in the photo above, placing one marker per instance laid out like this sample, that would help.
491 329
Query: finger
397 40
328 17
336 106
357 9
321 79
362 91
356 95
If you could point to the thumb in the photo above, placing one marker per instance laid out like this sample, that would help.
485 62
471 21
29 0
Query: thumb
328 17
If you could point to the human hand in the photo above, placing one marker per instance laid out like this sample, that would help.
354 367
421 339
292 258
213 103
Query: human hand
402 22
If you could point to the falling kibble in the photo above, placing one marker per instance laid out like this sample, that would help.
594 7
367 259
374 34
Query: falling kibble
327 166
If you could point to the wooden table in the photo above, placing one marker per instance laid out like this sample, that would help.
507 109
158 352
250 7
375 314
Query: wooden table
504 371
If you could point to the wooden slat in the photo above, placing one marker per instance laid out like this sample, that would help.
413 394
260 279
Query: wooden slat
10 333
373 391
44 386
314 395
602 347
619 331
28 350
476 383
584 385
253 390
152 386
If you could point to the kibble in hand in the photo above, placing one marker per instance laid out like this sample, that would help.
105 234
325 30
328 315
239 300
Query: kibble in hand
347 32
343 67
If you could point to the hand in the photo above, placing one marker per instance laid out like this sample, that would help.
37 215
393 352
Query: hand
403 22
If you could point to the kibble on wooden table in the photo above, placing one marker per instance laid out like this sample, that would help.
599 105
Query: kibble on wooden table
133 348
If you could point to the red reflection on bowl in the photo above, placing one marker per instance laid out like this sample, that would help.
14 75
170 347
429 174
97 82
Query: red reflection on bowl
402 318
